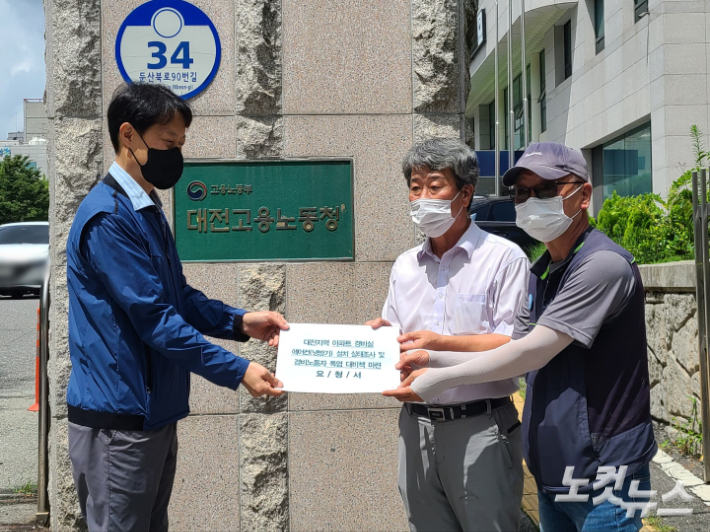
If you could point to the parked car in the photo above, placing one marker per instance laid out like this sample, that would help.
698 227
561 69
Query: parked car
24 256
496 215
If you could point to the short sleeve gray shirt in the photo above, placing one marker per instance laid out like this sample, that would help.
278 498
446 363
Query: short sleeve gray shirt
593 295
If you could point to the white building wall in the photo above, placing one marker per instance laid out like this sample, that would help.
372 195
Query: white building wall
36 153
36 121
653 70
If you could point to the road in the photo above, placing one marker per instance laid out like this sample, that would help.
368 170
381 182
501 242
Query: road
18 427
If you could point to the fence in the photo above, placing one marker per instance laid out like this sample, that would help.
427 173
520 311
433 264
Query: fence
702 268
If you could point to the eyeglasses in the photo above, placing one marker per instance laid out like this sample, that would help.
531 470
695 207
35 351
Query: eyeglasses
543 191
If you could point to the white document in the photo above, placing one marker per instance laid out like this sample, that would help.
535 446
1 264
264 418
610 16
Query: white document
317 358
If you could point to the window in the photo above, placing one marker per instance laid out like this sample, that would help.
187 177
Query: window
502 211
528 86
624 164
518 137
599 24
517 113
492 124
506 120
568 48
640 8
481 210
542 100
25 234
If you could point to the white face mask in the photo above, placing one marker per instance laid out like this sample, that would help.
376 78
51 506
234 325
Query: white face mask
544 219
433 216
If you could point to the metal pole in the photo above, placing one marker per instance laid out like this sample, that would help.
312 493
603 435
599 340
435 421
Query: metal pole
702 269
42 516
511 111
524 63
496 104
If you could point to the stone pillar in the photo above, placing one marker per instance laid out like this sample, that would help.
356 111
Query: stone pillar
74 109
298 78
440 67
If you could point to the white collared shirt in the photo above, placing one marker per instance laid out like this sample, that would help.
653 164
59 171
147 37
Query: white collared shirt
139 198
475 288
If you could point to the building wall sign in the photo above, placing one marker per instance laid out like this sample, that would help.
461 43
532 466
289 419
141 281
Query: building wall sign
265 210
481 27
480 31
169 42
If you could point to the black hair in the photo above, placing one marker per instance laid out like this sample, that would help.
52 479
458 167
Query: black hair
144 105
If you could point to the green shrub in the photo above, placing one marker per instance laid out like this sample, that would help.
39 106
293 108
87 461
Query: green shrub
652 229
642 225
680 215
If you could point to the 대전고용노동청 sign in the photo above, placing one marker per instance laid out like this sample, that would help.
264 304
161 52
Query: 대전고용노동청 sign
265 210
317 358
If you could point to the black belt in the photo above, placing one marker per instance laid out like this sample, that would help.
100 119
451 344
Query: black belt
447 413
105 420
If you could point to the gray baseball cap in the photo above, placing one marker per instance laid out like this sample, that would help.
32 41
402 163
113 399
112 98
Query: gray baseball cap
549 160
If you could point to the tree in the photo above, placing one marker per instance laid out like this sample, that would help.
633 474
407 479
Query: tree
24 192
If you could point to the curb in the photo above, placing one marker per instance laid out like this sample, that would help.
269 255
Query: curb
677 472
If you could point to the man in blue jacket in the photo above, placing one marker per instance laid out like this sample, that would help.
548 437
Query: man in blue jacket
136 327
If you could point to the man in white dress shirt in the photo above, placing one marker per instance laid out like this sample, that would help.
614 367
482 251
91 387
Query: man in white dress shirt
460 456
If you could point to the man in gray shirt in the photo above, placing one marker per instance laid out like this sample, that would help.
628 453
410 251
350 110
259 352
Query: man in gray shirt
594 295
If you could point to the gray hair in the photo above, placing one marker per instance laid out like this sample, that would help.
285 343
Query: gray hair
440 153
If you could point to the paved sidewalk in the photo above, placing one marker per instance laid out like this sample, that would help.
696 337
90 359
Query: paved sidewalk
664 474
18 514
529 486
18 426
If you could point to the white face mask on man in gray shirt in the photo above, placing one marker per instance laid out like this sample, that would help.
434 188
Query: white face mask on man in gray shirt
544 219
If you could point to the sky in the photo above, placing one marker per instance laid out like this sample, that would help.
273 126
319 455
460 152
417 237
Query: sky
21 59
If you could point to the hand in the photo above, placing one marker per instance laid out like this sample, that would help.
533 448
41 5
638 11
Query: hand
418 340
265 325
377 323
260 381
404 393
414 358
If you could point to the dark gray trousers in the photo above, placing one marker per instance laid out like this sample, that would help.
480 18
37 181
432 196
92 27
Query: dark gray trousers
124 478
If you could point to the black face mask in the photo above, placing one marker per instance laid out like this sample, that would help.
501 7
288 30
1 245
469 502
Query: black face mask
163 167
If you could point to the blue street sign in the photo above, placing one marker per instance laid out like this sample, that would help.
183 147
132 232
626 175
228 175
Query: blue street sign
169 42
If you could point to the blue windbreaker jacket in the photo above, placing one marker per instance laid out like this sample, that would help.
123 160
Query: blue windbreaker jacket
135 325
